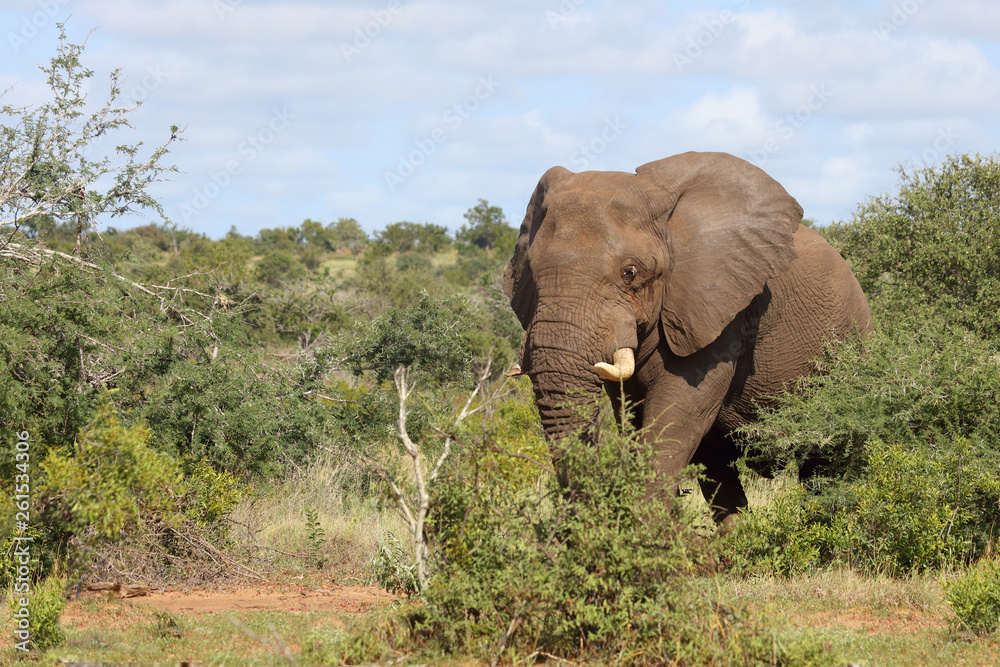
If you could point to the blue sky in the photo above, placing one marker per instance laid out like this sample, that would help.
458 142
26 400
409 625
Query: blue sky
414 109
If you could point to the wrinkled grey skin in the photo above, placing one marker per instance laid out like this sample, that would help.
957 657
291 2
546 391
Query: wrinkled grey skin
696 262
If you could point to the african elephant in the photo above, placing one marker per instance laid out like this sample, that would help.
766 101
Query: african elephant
690 287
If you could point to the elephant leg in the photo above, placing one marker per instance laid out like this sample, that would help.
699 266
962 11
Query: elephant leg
721 486
683 397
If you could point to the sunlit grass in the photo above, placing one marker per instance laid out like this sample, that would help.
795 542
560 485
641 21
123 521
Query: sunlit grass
340 266
353 518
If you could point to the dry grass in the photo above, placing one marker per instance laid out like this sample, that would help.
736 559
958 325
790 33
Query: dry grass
840 589
341 266
272 522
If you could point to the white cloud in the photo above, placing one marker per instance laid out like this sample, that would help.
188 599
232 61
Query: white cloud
859 133
733 119
749 89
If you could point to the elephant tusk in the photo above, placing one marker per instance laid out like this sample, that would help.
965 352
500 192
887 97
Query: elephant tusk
514 371
621 370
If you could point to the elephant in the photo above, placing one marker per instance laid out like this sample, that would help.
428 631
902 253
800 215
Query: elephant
688 289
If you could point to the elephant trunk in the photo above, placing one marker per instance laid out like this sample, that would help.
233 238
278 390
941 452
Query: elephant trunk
564 414
567 362
567 390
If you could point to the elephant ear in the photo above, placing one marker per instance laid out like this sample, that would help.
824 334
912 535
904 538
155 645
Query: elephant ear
518 284
729 228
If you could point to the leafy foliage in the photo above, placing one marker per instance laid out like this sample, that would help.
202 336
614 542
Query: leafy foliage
316 537
210 497
431 336
934 244
108 480
901 429
911 510
46 602
279 265
392 568
788 536
601 570
922 385
233 411
406 236
487 228
975 597
49 152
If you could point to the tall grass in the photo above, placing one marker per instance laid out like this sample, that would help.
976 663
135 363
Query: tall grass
349 508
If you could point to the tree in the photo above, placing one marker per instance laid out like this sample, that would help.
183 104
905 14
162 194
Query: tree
933 244
278 266
407 236
48 168
487 228
279 238
349 235
318 236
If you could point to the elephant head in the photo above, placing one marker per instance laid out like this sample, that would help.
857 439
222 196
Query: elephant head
612 268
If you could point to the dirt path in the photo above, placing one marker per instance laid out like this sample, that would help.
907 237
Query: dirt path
343 599
284 593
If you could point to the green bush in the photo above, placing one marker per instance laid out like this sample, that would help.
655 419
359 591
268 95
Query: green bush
46 601
233 411
909 510
279 266
975 597
113 486
932 245
922 385
210 497
906 514
392 568
601 569
902 429
430 336
789 536
110 478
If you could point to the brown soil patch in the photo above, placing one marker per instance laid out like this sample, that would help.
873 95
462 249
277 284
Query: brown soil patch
341 599
282 593
897 621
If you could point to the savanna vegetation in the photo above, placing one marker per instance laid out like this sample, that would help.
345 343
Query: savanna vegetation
320 398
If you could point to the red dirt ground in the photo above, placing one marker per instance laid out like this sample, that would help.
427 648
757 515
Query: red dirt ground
343 599
286 595
900 621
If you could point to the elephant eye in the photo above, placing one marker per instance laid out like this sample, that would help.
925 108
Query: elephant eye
629 274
